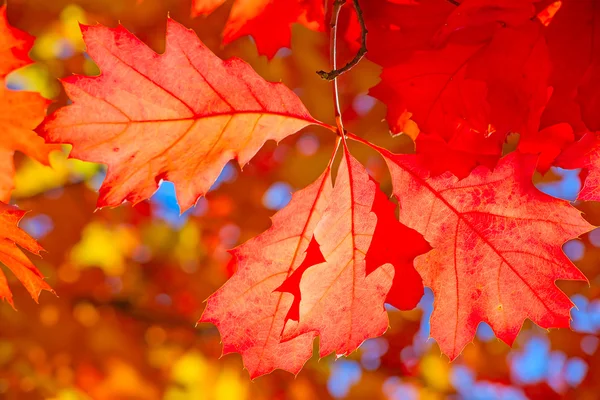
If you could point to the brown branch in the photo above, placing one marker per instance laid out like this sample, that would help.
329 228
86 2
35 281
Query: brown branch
331 75
148 316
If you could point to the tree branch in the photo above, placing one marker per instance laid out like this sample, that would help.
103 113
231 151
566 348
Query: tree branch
335 72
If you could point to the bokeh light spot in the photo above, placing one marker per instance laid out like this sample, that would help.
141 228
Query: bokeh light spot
86 314
574 249
531 364
363 103
485 332
589 344
575 371
344 374
49 315
229 235
308 144
37 226
277 196
594 237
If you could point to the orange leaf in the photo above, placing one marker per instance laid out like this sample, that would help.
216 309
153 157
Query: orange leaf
13 258
179 116
14 46
20 112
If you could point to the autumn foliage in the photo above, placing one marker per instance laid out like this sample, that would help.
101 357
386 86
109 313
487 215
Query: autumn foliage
490 92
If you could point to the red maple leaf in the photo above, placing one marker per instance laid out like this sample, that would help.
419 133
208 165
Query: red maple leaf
496 247
20 112
179 116
267 21
14 259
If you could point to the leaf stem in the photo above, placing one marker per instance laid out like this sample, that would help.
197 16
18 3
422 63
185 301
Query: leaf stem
335 13
357 138
335 72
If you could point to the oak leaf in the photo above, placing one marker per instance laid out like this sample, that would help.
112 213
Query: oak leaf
339 301
573 38
480 19
14 259
470 84
248 311
496 247
408 25
20 112
407 285
548 143
334 250
179 116
267 21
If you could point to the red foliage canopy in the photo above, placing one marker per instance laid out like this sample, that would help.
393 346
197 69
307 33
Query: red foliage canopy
472 226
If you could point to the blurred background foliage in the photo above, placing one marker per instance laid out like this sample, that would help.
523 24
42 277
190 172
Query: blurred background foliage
131 281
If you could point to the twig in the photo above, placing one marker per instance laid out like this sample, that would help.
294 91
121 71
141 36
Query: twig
454 2
125 307
335 72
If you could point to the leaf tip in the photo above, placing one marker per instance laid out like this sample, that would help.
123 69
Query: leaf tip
84 28
10 301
